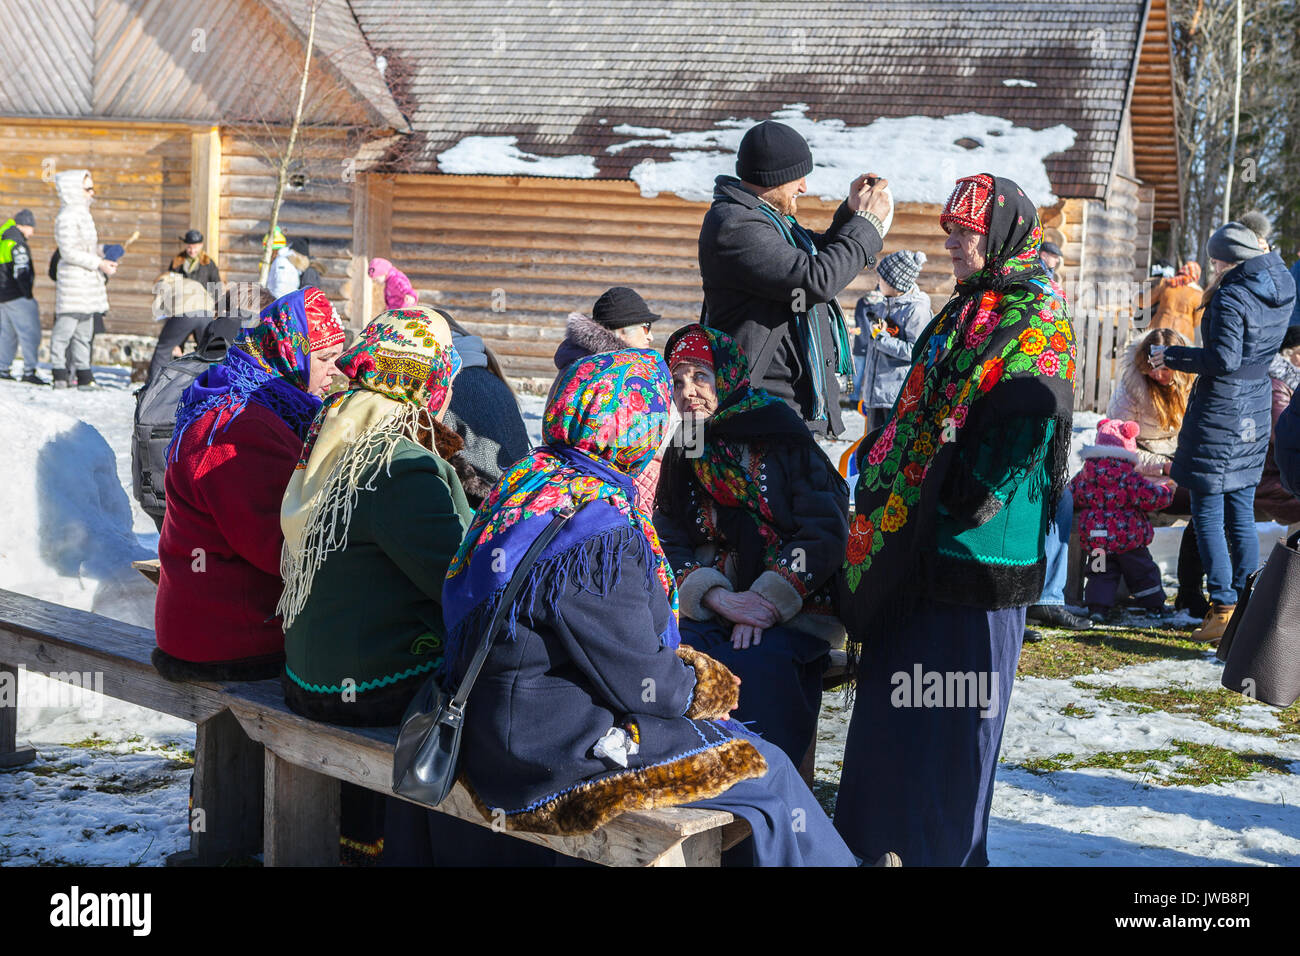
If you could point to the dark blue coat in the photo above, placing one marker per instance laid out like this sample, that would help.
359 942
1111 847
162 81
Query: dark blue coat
1224 436
1286 445
575 670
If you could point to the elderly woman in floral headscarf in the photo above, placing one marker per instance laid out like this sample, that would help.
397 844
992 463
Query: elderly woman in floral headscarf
239 431
372 517
588 704
754 519
946 550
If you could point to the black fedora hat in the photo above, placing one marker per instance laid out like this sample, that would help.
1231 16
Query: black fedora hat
621 307
192 236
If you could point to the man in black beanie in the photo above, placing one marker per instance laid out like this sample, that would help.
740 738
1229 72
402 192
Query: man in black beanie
772 285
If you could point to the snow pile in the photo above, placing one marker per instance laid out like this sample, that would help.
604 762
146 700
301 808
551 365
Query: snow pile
68 535
922 156
501 156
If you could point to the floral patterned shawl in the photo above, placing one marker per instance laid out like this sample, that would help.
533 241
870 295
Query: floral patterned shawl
603 423
1001 349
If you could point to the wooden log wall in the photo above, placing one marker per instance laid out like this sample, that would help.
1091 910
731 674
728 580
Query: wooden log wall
142 181
512 256
321 210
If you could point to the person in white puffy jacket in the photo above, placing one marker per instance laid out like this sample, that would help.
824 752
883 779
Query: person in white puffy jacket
80 295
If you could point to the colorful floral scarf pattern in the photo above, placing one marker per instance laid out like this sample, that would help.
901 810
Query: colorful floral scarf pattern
720 466
1004 322
268 365
602 426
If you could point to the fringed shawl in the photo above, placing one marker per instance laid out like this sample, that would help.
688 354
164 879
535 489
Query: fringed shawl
269 365
1002 350
605 418
399 373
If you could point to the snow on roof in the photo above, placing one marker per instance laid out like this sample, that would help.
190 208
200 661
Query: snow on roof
501 156
922 156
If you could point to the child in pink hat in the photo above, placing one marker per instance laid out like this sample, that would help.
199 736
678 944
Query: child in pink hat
1111 502
398 291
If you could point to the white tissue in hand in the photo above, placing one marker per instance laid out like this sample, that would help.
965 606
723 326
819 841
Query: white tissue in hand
616 745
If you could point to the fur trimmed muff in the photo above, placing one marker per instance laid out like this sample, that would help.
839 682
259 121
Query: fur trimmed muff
717 693
698 776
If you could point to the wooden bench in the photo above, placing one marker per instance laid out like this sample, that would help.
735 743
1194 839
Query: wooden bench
267 780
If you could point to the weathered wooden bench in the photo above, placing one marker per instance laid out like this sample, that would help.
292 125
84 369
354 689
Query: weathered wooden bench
267 780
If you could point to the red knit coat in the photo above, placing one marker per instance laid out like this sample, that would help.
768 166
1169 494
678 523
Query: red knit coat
221 537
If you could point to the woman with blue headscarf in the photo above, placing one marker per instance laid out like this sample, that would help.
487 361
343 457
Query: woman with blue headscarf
239 433
588 704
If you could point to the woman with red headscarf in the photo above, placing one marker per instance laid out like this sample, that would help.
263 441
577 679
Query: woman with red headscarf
239 433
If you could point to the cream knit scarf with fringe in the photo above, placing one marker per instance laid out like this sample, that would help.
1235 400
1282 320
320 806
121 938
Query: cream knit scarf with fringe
358 437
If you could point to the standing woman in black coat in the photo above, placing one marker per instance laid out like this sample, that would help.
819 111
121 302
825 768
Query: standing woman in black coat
754 520
1225 433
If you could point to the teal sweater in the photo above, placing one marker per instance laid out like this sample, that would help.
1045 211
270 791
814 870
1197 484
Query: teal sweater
987 548
372 628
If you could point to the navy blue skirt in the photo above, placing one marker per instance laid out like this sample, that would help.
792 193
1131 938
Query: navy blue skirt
780 680
925 734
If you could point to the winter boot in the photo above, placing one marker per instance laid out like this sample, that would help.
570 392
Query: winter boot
1215 623
60 377
6 376
33 378
86 379
1032 636
1056 615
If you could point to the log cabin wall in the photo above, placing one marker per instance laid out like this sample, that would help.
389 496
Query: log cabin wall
511 256
320 209
142 181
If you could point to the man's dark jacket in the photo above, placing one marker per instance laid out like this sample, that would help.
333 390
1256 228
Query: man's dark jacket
751 276
16 272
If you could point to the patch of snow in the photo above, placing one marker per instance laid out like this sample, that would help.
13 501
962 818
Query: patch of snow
1025 83
918 154
501 156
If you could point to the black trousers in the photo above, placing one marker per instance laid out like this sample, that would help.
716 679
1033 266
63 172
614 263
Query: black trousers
174 332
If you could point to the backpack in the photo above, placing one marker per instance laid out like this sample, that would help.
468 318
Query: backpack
155 414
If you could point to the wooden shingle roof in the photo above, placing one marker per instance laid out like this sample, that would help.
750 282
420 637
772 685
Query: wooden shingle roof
562 74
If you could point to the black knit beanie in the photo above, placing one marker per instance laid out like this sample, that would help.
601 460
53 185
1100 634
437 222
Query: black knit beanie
772 154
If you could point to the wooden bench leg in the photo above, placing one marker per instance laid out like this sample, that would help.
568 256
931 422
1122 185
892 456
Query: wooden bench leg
226 797
10 755
701 849
300 821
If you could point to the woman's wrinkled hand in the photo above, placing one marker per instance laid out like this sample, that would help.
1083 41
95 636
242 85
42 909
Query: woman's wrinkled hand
745 607
743 636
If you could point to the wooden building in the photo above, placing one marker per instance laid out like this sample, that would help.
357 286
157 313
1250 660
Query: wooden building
513 254
512 251
179 111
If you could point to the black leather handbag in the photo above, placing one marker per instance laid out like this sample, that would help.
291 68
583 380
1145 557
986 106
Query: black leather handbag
1261 646
428 745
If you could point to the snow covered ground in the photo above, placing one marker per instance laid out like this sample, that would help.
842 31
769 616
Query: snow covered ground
110 785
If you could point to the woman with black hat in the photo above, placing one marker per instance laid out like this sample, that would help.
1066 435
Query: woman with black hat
193 263
620 319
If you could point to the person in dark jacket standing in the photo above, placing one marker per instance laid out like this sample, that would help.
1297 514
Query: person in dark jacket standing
620 319
193 263
754 520
1224 437
946 549
1272 501
772 285
300 256
20 319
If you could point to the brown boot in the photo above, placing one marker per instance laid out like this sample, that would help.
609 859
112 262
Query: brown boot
1215 623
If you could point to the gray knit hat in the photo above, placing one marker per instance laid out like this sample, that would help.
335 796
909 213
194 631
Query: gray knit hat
24 217
901 269
772 154
1234 242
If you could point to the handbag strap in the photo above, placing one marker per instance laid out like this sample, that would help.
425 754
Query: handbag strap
530 557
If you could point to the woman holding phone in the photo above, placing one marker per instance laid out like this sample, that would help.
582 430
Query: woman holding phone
1224 437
